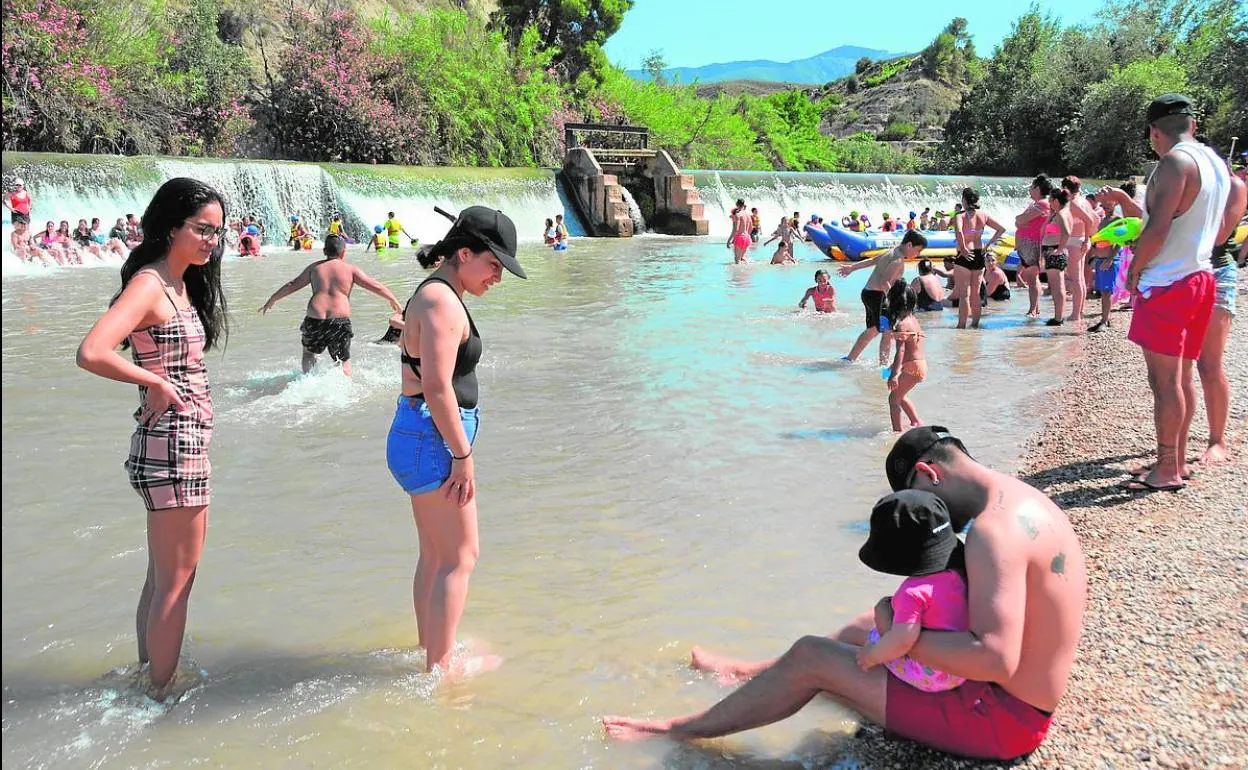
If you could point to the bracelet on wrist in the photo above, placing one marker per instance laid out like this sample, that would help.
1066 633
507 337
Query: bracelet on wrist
465 457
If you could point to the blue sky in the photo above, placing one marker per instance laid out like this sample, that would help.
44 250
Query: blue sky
691 33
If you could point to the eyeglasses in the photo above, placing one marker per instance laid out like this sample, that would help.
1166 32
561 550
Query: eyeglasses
205 232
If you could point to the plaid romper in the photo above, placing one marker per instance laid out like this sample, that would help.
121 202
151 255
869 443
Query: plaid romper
168 463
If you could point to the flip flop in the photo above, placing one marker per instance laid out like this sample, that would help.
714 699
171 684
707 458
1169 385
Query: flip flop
1142 485
1144 470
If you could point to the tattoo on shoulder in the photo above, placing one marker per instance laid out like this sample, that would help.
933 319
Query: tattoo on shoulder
1058 565
1029 526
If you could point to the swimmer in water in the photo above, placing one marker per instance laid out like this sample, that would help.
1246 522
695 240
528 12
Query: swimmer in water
823 293
739 240
909 361
784 252
756 226
327 322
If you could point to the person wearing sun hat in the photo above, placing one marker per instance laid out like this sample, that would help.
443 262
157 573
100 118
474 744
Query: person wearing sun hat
912 536
1026 590
18 202
429 448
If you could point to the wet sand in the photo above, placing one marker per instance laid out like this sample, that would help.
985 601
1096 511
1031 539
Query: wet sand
1163 663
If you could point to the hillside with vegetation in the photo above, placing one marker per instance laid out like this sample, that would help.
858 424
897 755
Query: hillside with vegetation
470 82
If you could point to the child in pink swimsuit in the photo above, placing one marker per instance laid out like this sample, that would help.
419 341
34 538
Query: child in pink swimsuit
911 535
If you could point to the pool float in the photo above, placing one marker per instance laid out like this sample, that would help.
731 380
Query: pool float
863 245
1119 232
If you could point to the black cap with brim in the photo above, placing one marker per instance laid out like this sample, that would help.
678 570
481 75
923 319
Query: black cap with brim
910 448
1167 105
911 535
490 226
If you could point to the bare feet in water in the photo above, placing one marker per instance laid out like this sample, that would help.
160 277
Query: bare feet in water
468 666
625 729
727 670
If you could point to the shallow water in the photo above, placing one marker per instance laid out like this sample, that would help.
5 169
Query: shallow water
669 455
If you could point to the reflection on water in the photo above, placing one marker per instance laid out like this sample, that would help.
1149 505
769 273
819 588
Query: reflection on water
670 454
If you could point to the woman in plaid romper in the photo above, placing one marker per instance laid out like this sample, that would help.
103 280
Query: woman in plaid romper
169 312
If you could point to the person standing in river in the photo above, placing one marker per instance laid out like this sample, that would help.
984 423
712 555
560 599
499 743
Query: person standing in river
1030 224
885 268
429 448
170 310
739 241
1054 256
327 323
18 203
968 266
1083 222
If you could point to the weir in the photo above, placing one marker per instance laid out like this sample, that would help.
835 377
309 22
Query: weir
604 162
77 186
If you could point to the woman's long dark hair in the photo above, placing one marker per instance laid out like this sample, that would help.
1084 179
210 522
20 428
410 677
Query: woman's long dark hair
970 197
901 302
175 202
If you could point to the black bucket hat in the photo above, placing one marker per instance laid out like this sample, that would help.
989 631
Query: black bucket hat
911 535
910 448
490 226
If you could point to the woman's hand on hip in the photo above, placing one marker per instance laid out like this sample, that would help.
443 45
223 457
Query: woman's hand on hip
461 485
159 399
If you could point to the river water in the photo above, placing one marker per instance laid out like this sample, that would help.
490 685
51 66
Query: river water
669 455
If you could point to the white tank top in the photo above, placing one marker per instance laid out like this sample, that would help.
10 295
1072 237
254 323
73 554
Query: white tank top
1193 233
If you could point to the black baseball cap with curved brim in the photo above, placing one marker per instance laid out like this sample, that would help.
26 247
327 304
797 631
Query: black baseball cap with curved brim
909 450
490 226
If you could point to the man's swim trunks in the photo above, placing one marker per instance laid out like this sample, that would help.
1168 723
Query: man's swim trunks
332 334
978 719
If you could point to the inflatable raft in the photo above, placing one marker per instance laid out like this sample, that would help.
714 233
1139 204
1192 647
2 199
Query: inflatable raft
839 243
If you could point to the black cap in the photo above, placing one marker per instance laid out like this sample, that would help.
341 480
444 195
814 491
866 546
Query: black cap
911 535
490 226
1169 104
910 448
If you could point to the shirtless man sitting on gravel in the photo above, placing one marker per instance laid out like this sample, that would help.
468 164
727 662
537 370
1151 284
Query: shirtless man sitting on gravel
1027 586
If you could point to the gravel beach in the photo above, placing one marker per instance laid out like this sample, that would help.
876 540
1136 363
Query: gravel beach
1162 673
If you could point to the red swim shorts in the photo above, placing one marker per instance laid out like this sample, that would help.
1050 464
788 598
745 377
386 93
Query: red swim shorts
1173 319
741 241
978 719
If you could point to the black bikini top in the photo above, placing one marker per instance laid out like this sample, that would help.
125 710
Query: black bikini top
464 377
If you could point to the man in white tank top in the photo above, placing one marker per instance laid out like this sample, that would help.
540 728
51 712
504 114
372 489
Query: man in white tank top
1171 277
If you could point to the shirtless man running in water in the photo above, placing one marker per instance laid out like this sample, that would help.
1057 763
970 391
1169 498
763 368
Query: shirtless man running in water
1027 586
740 240
327 325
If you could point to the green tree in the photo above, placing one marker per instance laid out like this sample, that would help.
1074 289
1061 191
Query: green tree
574 31
1106 138
653 65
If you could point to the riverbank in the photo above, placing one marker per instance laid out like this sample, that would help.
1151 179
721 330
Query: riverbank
1163 653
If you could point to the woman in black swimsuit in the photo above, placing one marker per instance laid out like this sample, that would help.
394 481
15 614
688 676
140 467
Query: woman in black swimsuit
429 449
1053 251
969 264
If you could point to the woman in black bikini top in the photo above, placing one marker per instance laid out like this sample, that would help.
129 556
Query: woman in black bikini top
969 264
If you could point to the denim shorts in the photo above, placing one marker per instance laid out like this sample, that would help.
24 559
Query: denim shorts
1224 280
416 454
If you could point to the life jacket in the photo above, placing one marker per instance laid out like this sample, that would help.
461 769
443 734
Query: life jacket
379 241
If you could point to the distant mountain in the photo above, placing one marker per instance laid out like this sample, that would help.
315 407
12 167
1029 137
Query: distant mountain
817 70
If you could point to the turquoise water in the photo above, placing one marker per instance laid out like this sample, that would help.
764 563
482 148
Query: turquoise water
670 455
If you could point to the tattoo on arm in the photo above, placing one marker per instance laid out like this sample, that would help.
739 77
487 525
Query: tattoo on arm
1029 526
1058 565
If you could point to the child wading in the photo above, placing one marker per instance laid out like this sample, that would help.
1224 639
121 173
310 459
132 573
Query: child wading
909 363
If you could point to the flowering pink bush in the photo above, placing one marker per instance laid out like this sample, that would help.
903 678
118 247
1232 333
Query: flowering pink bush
55 93
331 103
